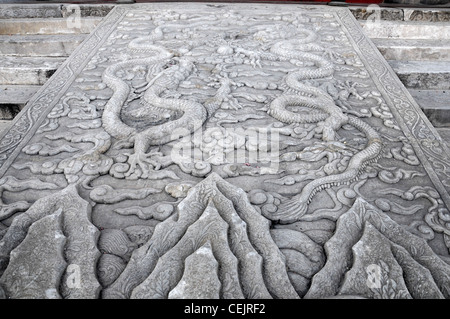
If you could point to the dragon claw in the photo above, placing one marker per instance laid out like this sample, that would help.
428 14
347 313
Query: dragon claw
144 162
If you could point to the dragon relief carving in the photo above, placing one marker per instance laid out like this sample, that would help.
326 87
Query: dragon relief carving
155 226
194 114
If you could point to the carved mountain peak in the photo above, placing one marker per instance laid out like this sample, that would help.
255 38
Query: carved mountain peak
217 214
370 255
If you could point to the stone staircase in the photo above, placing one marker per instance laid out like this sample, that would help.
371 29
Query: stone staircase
36 39
416 44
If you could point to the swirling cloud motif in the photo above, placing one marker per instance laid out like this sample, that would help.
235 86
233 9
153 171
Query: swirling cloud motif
105 194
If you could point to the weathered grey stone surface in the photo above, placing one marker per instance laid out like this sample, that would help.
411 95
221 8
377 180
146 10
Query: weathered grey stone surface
414 49
39 45
47 26
225 151
17 94
37 263
51 10
364 13
430 14
436 106
200 280
433 75
5 125
407 29
27 70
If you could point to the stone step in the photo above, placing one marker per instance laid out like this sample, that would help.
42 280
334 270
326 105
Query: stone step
17 94
52 10
406 29
444 132
435 104
39 45
48 26
425 75
27 70
414 49
4 125
13 98
436 14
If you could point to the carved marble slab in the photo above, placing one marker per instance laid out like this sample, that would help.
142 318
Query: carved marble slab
224 151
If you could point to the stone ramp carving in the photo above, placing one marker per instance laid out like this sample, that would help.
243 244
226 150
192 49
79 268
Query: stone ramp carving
310 173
